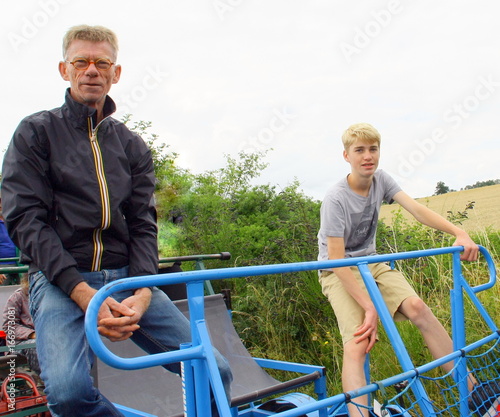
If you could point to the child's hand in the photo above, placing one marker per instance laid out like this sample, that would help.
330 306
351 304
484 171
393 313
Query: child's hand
471 250
368 330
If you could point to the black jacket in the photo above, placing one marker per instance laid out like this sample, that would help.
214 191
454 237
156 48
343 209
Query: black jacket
77 196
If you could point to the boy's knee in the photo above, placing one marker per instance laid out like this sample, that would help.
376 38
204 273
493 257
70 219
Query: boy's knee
355 352
416 310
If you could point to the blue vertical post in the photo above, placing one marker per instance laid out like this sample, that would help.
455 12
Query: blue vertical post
320 390
202 388
196 304
210 366
458 331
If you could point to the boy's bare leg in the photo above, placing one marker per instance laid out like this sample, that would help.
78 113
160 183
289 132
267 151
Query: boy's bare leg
353 374
435 335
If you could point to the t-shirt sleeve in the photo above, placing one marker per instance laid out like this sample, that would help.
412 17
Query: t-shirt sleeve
391 187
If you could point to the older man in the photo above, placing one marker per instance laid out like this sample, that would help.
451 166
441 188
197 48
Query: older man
78 202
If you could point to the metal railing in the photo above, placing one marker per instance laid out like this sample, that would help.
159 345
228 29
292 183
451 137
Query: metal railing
201 348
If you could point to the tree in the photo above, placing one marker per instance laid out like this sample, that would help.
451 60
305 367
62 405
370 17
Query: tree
223 211
441 188
162 160
482 184
171 181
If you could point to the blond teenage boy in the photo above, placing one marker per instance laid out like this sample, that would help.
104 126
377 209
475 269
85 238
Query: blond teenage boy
349 215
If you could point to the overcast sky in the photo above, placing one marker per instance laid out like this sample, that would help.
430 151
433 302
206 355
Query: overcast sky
217 77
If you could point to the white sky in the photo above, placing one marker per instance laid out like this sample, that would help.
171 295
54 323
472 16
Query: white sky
218 76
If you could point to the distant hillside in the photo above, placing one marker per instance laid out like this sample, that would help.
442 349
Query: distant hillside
485 214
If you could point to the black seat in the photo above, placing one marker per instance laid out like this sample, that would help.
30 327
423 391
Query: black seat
157 391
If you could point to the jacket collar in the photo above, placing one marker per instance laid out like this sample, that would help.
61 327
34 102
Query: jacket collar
80 113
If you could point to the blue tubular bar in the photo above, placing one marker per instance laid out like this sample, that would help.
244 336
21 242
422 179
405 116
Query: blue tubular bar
458 329
396 341
245 271
200 350
491 268
458 318
217 386
115 361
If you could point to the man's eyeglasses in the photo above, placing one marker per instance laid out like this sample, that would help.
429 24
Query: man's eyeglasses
102 64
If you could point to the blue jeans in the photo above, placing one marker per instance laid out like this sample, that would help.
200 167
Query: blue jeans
66 358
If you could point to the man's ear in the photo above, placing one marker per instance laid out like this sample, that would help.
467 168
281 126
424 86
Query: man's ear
118 72
346 157
63 70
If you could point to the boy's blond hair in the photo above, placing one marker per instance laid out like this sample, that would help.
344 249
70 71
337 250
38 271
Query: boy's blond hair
363 131
92 34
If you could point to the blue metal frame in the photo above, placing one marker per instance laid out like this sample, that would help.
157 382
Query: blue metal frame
200 353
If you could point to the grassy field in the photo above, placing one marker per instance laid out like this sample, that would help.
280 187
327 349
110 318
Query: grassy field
485 214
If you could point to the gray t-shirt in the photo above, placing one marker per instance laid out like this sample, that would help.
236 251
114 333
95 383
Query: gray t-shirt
353 217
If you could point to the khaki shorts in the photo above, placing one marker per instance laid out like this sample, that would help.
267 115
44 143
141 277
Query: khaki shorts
392 284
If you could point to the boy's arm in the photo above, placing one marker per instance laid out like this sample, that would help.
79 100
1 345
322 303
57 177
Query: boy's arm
430 218
368 329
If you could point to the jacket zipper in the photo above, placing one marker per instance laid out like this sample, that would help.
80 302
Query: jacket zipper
104 195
